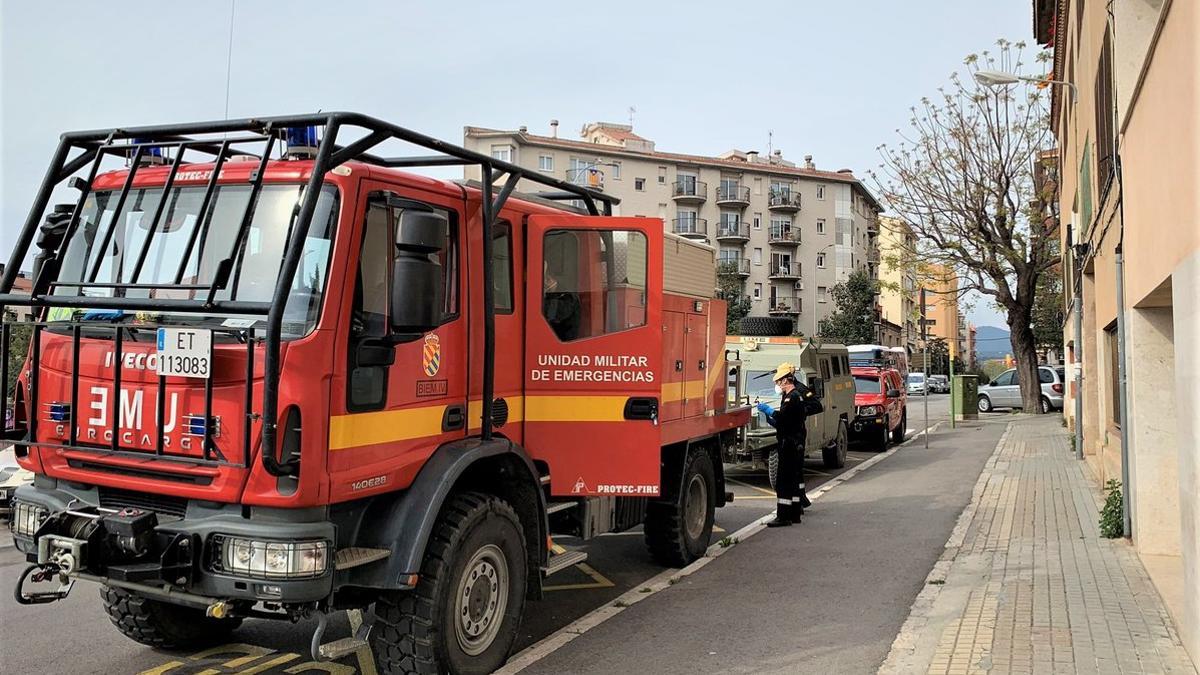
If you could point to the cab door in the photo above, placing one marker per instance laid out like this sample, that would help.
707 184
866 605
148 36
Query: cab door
593 352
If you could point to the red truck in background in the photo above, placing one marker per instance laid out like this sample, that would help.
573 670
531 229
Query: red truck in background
880 395
291 378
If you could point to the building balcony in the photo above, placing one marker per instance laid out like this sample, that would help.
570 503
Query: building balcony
692 228
733 232
689 191
783 236
733 195
589 177
784 271
784 305
872 226
787 201
731 266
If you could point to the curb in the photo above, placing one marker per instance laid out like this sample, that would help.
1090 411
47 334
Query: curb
667 578
904 646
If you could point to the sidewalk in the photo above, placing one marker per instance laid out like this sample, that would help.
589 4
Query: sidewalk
1026 584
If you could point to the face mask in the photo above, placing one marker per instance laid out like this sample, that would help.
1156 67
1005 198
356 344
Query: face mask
778 389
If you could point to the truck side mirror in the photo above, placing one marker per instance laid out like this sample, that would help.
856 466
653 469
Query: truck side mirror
893 393
416 272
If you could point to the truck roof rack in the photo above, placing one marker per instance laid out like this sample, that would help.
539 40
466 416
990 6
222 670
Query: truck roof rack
347 137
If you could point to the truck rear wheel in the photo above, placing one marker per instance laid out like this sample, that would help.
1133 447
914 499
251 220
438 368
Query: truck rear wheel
834 454
677 531
160 624
463 616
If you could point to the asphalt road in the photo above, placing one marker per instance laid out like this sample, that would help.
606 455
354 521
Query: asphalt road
74 636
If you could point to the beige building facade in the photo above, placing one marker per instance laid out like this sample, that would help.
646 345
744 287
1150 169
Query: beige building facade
1129 138
898 280
788 232
941 305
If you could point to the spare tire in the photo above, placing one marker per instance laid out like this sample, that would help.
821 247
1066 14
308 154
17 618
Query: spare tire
768 326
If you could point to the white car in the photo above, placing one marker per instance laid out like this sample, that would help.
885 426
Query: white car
11 477
917 384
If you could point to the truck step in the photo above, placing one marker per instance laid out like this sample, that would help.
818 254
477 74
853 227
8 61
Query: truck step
555 507
338 649
562 561
353 557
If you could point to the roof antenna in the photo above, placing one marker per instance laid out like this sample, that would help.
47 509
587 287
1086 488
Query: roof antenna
770 142
632 110
229 56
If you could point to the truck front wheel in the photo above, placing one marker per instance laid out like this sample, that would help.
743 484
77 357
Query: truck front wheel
834 454
463 616
677 530
162 625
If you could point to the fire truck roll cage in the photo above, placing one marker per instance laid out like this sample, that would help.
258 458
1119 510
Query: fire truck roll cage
136 142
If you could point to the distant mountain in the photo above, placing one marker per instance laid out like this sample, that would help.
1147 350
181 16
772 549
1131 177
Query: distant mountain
991 343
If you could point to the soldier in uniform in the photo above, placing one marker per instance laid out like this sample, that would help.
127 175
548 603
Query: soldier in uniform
789 422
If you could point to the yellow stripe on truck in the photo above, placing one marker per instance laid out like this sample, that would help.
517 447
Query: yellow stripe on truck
575 408
385 426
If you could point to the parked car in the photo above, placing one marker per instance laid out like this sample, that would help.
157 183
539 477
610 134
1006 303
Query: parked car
11 477
917 384
939 384
1005 390
880 407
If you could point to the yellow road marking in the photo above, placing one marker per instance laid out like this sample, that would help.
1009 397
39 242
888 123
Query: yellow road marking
752 487
598 580
277 661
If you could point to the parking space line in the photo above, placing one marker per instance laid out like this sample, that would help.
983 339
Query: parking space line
752 487
598 580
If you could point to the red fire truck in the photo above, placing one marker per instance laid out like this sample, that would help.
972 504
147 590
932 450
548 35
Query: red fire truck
275 376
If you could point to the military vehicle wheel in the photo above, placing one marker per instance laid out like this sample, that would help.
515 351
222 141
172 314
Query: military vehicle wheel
834 454
898 432
464 614
766 326
772 465
677 530
160 624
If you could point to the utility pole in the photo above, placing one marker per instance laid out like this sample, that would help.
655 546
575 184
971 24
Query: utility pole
925 364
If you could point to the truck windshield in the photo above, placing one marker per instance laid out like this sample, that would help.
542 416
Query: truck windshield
865 384
106 246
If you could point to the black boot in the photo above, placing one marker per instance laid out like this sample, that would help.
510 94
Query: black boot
797 511
783 516
804 500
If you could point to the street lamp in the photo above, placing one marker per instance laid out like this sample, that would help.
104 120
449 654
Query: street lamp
999 78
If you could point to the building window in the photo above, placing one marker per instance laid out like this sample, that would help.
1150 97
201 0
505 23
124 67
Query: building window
502 153
757 256
758 221
820 226
1114 371
820 192
662 175
821 260
639 184
758 185
758 291
545 162
821 294
616 171
1104 115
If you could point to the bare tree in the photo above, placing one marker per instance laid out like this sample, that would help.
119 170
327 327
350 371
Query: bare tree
964 176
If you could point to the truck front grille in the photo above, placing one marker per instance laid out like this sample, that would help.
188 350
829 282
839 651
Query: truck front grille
115 498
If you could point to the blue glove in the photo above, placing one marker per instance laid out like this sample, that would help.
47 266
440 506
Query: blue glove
768 412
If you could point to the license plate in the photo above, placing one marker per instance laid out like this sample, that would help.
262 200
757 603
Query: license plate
185 352
3 495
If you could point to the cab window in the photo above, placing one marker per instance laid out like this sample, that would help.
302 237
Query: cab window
866 384
593 282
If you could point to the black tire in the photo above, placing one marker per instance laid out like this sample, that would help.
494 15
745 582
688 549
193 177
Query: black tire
1046 407
765 326
773 465
885 437
477 538
985 404
898 432
834 454
677 531
165 626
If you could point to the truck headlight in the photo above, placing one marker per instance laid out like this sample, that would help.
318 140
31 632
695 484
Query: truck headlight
27 518
868 411
270 559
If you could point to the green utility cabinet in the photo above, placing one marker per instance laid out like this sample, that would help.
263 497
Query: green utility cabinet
964 397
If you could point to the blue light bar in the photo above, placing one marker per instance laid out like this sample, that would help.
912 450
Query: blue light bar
59 411
301 141
195 425
150 155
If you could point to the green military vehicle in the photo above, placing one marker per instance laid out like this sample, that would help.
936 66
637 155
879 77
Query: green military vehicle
825 367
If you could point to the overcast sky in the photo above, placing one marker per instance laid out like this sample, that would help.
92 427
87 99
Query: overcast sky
830 79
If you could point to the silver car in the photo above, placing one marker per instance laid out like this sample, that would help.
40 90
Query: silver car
1005 390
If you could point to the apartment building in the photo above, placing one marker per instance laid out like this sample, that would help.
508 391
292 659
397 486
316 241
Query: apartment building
898 280
941 305
1128 132
789 232
970 357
